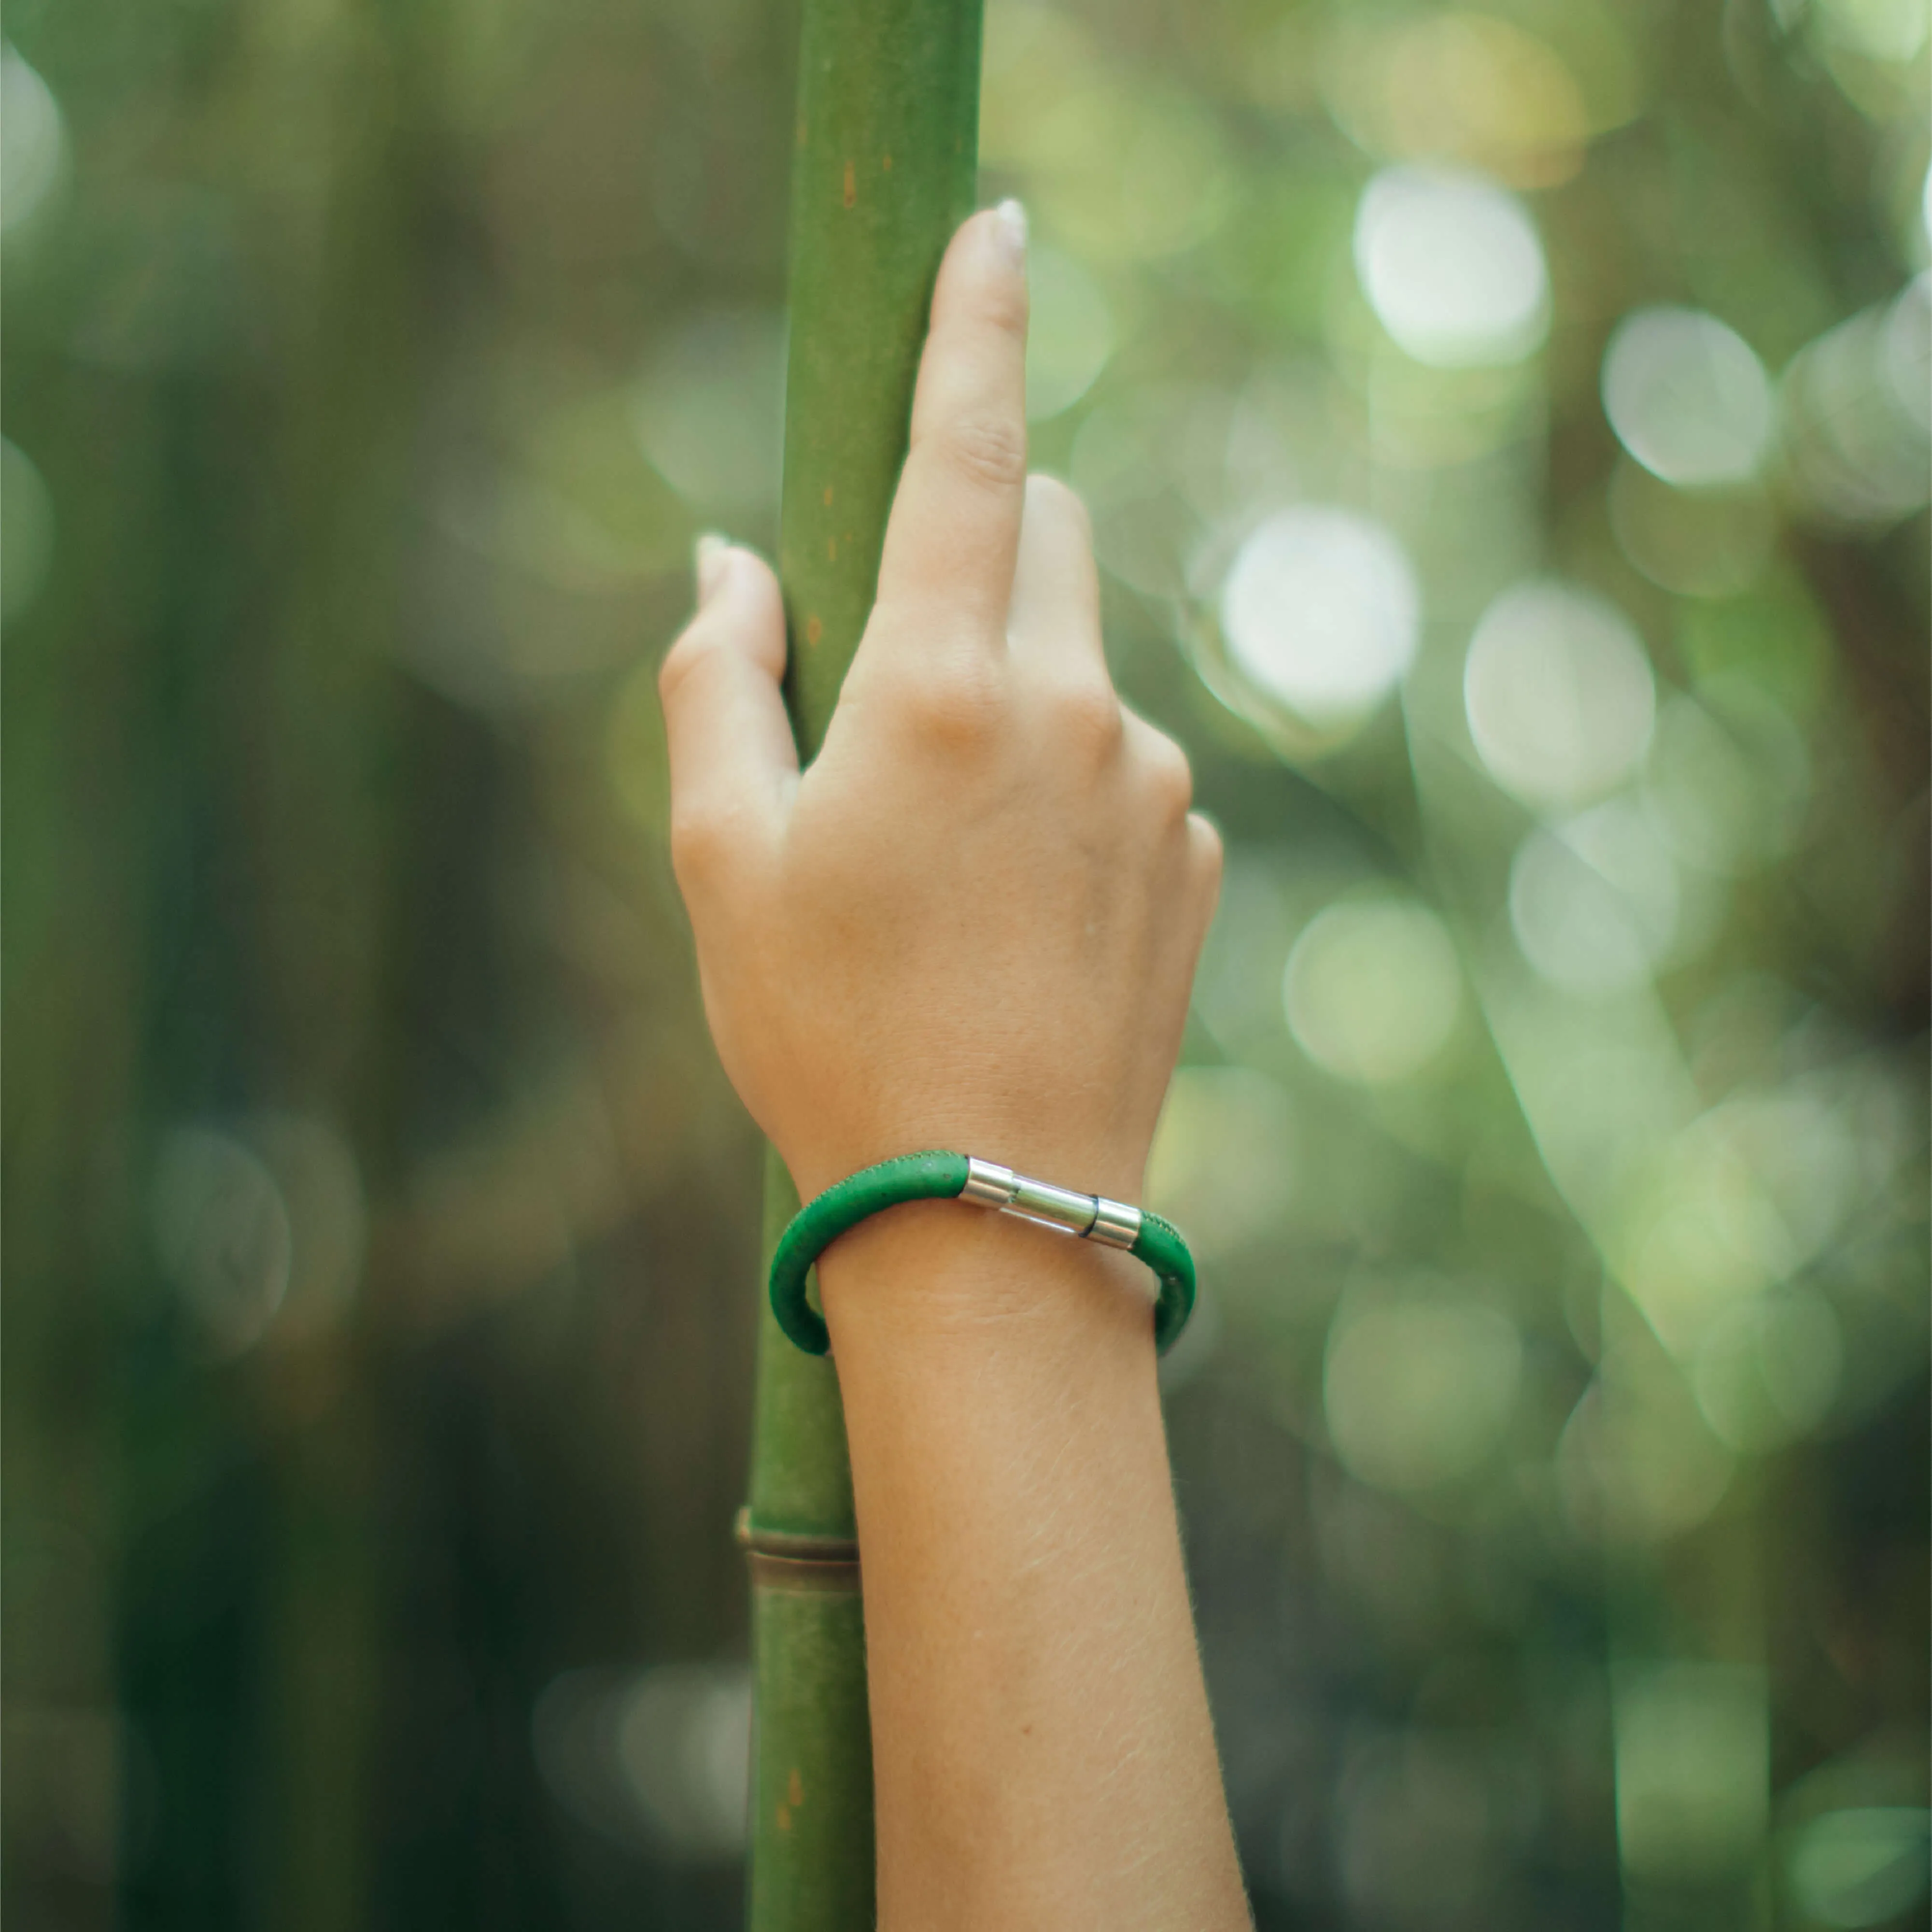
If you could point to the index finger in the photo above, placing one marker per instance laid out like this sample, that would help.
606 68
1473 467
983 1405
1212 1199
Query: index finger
955 528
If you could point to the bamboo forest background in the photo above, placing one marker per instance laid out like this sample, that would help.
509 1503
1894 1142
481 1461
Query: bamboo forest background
1506 432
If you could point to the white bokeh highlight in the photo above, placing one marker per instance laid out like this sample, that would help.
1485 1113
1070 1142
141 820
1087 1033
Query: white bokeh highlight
33 142
1559 692
1320 612
1688 397
1453 267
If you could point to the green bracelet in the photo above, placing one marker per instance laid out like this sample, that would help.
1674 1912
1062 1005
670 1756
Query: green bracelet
940 1176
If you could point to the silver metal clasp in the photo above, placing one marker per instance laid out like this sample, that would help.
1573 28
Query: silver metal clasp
989 1184
1114 1223
1052 1207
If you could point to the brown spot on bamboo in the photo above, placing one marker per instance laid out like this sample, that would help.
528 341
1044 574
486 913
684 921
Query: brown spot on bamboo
795 1788
851 184
785 1817
886 162
814 630
828 496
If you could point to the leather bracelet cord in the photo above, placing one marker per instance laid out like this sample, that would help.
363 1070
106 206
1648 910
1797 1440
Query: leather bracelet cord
944 1176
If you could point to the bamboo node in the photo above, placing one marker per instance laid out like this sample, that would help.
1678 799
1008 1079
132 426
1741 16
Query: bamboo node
791 1560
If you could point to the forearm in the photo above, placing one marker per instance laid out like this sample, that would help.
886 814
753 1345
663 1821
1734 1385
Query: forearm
1042 1750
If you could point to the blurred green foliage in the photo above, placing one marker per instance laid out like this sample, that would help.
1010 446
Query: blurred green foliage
1506 433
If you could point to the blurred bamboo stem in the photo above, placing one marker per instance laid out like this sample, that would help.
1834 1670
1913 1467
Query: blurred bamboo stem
884 170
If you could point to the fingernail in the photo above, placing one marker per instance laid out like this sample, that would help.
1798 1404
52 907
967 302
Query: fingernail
712 551
1012 225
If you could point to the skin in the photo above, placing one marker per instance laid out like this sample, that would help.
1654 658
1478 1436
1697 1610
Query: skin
974 923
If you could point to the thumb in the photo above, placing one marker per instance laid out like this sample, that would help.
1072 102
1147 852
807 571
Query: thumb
733 762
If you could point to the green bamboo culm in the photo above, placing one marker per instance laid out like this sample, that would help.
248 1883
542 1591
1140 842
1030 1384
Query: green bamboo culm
884 171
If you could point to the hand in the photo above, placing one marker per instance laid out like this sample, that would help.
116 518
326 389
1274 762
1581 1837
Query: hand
972 922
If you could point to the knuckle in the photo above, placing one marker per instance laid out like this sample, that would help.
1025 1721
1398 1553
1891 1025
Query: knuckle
1169 778
694 846
1003 305
1087 718
989 450
692 648
1062 501
1209 854
704 839
959 702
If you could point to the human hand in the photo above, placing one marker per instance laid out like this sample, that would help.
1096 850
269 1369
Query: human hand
972 922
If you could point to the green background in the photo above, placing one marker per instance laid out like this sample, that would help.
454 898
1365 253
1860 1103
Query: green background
381 1235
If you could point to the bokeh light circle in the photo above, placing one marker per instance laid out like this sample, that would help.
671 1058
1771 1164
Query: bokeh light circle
1891 31
1372 989
1768 1371
1698 543
222 1230
1559 692
1858 1865
1453 267
710 409
26 531
1593 902
33 142
1320 611
1688 397
1906 357
1418 1391
1637 1463
1070 332
1222 1163
1856 426
1727 779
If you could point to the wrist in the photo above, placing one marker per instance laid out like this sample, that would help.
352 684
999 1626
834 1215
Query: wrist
948 1277
1070 1158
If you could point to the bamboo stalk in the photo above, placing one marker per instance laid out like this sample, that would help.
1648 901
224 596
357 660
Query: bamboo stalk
884 170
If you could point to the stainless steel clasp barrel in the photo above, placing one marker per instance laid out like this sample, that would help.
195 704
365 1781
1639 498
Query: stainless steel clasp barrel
1114 1223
